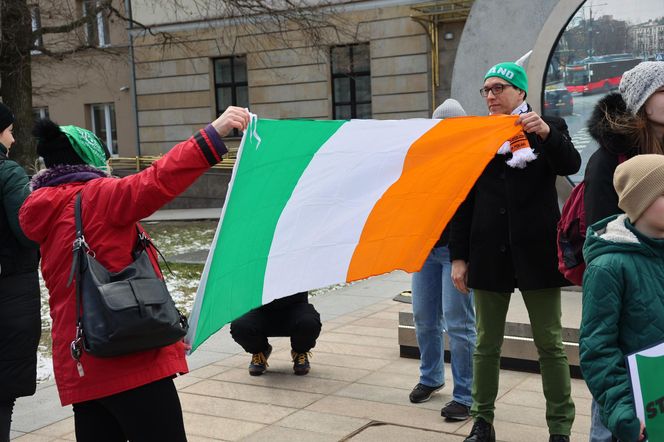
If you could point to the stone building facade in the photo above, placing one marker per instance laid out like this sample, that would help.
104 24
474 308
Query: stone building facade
383 59
91 88
284 75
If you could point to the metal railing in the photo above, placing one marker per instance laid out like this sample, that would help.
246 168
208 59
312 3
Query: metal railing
139 163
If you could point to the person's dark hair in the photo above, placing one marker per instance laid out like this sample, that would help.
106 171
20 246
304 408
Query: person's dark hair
53 145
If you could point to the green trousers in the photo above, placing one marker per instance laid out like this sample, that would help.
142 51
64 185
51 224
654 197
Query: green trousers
544 311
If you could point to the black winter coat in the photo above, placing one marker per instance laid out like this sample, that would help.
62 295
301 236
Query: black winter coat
506 228
20 323
599 197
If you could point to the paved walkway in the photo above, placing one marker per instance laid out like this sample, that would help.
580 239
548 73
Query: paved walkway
357 389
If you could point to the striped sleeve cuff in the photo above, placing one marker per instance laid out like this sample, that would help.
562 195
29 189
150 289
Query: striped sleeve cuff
211 144
217 142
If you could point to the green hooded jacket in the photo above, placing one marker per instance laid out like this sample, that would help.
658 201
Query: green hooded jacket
623 312
17 253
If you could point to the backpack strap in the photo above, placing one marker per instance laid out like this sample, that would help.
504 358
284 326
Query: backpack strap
79 241
79 247
145 243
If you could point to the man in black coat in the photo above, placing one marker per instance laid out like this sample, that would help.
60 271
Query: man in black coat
504 237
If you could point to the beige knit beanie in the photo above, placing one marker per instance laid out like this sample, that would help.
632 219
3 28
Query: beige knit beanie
639 181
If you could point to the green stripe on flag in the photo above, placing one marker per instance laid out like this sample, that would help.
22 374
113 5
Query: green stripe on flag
263 182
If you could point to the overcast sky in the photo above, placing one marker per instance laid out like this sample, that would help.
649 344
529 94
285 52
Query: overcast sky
634 11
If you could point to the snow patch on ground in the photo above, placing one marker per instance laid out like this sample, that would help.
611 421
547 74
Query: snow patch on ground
171 238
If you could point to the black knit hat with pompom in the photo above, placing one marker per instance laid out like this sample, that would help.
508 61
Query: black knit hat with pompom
53 145
6 117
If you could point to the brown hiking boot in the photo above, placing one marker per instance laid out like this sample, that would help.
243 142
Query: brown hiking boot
258 363
300 362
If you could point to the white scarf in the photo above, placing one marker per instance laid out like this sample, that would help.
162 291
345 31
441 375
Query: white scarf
520 156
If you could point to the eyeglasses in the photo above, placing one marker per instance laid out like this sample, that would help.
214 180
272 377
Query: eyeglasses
497 89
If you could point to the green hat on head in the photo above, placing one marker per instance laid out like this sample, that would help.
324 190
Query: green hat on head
510 72
87 146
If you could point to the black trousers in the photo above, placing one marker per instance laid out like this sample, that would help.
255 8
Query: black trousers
148 413
300 321
6 408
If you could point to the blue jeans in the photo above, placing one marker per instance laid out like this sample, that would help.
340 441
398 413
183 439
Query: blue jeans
438 306
598 432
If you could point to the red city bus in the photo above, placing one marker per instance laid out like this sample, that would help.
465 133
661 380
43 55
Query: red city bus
598 74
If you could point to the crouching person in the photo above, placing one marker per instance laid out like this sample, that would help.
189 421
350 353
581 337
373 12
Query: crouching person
290 316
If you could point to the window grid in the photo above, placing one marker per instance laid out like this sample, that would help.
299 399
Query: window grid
39 113
226 78
96 31
102 116
35 18
346 63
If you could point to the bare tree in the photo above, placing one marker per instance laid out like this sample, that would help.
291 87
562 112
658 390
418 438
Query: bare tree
64 38
15 72
62 30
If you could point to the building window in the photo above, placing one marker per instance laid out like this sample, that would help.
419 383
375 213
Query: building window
39 113
103 125
230 83
35 17
96 30
351 81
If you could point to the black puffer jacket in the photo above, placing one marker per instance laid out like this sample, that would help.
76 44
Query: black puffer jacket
599 198
20 323
506 228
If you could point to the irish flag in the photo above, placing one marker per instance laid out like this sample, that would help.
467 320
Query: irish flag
316 203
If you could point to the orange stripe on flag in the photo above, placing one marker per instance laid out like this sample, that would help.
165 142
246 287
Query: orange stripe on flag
439 170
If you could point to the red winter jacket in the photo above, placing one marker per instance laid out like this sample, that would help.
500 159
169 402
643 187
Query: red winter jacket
110 209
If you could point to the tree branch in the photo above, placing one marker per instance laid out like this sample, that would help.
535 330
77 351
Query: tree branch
91 17
61 55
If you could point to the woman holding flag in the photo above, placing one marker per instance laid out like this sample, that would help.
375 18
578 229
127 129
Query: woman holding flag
129 397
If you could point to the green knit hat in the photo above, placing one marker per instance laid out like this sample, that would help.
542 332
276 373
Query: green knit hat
510 72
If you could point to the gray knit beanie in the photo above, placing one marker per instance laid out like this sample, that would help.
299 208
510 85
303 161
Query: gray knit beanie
449 108
639 83
639 181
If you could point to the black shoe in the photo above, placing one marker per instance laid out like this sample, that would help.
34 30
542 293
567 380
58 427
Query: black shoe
558 438
482 432
258 363
455 411
300 362
422 393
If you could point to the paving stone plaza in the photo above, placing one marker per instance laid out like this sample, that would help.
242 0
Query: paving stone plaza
357 389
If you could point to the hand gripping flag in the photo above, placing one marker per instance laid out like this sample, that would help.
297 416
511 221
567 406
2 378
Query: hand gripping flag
316 203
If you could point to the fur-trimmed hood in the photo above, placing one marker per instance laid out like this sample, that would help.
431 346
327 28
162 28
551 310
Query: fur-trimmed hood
612 105
65 173
617 235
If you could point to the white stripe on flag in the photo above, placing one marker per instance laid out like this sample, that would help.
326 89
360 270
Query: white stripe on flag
321 225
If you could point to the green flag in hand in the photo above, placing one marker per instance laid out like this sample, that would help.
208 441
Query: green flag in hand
651 381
